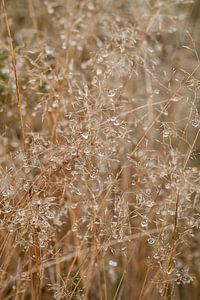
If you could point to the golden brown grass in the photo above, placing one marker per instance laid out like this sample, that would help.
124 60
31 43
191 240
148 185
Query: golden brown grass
99 150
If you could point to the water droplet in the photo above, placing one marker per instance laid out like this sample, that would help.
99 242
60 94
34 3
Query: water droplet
7 209
49 50
151 241
156 256
74 205
196 122
50 10
167 185
90 6
113 119
151 50
165 112
111 93
149 203
166 133
114 224
25 187
86 150
97 222
6 193
144 222
94 80
99 72
37 201
140 198
157 91
68 167
73 152
64 45
94 173
21 212
116 123
164 212
55 103
74 227
85 135
175 99
148 191
112 263
10 228
49 214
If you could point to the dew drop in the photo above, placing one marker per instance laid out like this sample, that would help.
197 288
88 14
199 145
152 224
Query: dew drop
151 241
111 93
6 193
151 50
50 10
148 191
94 80
74 205
49 50
144 222
90 6
149 203
112 263
167 185
7 209
166 133
37 201
99 72
49 214
73 152
64 45
21 212
195 122
175 99
94 173
85 135
116 123
97 222
10 228
74 227
157 91
156 256
113 119
55 103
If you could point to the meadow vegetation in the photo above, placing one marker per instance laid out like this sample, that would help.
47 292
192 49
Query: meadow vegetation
99 149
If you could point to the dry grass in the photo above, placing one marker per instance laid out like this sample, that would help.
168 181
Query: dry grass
99 150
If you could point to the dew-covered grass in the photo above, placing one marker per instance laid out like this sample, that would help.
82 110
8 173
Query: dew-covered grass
99 149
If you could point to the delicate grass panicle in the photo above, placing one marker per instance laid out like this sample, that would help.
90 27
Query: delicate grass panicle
99 149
